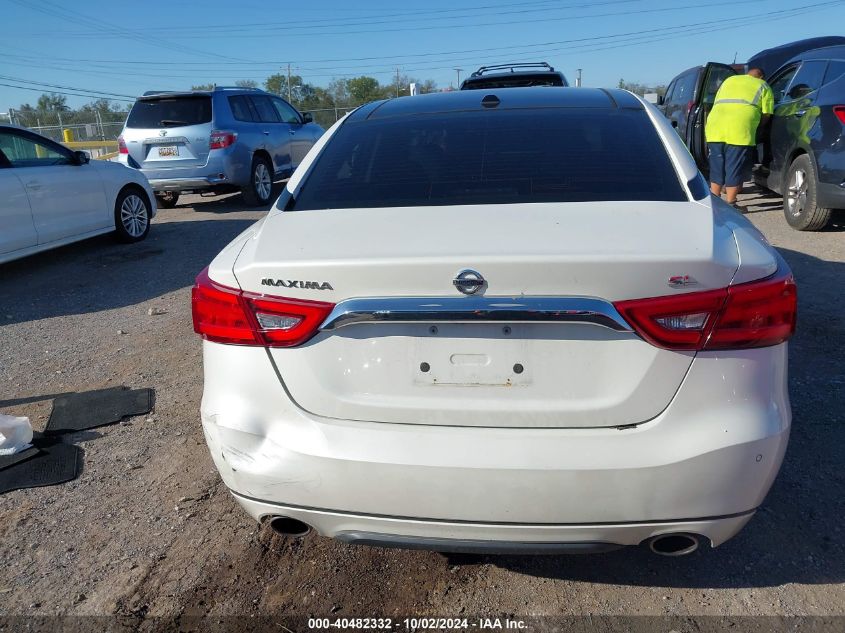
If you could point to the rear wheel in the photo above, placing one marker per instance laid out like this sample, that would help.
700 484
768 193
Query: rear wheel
260 186
132 215
800 193
167 199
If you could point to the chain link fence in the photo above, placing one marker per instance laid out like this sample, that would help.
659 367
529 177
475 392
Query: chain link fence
85 126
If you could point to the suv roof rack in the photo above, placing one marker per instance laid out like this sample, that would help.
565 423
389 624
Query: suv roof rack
216 88
487 69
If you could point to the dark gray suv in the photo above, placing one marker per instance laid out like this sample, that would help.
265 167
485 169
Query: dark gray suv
221 140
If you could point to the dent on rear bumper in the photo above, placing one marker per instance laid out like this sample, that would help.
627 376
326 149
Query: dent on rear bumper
713 453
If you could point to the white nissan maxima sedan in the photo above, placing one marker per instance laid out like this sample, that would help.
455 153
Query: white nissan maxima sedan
51 196
512 321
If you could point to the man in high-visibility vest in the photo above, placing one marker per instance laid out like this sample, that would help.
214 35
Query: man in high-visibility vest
742 104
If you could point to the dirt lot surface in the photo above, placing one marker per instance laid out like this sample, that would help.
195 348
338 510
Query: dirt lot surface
149 530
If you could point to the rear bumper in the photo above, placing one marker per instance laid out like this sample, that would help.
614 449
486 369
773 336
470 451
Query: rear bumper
702 465
491 538
221 169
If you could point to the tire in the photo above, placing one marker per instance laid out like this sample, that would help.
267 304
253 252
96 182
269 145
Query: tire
800 195
259 190
132 215
167 199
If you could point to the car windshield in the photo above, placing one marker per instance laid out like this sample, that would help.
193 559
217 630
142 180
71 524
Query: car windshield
489 157
170 112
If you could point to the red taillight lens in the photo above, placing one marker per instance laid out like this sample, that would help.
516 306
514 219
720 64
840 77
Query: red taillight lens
678 322
228 315
221 139
755 314
839 111
121 146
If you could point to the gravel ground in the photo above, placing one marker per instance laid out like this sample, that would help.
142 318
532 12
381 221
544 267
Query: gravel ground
149 530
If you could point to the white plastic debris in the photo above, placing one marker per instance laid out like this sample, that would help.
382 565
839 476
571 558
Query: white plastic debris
15 434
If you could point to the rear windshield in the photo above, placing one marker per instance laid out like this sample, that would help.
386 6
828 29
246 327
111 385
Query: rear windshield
489 157
516 81
170 112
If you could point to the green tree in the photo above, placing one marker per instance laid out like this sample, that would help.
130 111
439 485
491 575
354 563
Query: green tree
52 103
208 87
246 83
364 89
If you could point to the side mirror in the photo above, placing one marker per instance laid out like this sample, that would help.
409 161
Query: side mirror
307 117
660 100
81 158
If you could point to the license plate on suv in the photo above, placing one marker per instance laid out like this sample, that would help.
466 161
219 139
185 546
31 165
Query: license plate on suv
168 150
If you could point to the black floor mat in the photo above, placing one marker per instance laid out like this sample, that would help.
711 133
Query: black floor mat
90 409
55 463
11 460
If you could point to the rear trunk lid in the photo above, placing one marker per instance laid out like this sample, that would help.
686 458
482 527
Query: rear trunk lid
502 374
169 131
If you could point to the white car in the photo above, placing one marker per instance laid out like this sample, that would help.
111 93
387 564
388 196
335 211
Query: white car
51 196
510 322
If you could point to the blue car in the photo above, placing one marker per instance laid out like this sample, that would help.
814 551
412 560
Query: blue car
804 150
221 140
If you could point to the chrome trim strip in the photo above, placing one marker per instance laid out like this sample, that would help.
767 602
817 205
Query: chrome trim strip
475 309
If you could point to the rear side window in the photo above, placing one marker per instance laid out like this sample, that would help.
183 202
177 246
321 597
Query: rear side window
241 108
266 111
170 112
835 69
807 79
508 156
684 90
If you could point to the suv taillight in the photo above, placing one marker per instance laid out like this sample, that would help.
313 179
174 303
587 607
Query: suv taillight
221 139
839 111
121 146
227 315
755 314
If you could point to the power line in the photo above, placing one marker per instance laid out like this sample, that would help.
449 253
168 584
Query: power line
69 94
291 31
642 36
54 10
47 85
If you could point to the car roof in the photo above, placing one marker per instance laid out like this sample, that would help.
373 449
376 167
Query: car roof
827 52
156 94
504 98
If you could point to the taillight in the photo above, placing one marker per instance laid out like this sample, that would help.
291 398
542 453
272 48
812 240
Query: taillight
121 146
755 314
839 111
227 315
221 139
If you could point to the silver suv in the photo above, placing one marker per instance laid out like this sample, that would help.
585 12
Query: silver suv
217 141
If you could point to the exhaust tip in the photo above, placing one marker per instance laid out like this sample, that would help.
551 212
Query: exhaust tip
673 544
287 526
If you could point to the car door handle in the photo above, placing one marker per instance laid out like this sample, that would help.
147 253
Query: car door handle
34 186
267 132
292 132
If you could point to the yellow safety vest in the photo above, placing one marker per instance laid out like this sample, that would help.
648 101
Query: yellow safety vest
740 101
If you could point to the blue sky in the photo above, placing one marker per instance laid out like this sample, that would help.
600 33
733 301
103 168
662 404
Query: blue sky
125 48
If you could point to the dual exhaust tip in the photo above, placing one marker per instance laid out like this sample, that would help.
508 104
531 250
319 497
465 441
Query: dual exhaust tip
286 526
679 544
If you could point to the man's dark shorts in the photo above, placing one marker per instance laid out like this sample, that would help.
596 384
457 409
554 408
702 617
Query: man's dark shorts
730 165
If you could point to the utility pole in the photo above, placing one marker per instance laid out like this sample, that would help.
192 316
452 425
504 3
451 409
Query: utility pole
289 92
397 82
458 70
578 78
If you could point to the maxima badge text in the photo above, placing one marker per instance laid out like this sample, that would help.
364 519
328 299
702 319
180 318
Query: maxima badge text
294 283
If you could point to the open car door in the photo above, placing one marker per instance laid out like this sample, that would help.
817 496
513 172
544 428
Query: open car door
712 77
